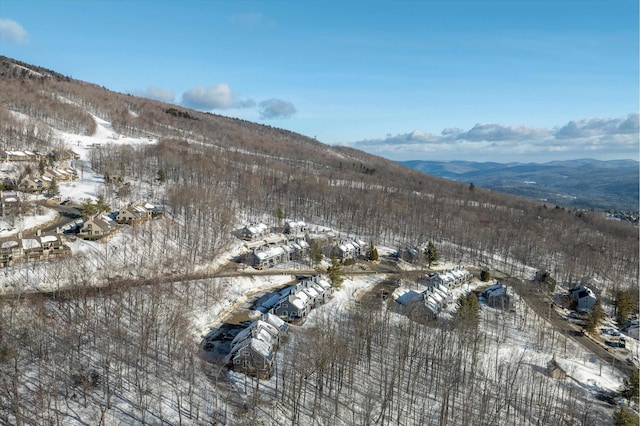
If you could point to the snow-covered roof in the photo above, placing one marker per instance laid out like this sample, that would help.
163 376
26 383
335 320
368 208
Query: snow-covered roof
299 299
269 253
9 244
275 321
256 228
294 224
30 243
260 330
311 292
257 345
322 282
48 238
303 244
495 290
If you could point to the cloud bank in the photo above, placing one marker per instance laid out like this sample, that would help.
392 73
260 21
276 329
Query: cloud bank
156 93
275 108
600 138
219 96
13 32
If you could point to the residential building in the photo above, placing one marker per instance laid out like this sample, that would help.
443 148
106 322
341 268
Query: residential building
97 227
584 297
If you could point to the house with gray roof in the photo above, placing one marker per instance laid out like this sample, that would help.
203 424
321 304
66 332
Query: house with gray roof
96 227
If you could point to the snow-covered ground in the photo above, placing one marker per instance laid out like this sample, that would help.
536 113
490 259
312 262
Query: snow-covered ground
513 351
521 340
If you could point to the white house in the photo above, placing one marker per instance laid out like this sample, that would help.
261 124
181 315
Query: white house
584 296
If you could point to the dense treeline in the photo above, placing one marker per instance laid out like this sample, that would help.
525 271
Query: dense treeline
127 358
34 100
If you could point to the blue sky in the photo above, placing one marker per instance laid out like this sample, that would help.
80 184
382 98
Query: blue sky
475 80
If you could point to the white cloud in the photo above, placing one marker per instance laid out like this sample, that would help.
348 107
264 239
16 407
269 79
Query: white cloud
12 31
219 96
276 108
600 126
596 138
499 132
157 93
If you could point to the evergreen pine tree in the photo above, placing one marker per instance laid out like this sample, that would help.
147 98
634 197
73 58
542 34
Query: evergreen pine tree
101 205
54 189
89 209
594 317
626 302
315 252
631 388
431 253
372 252
469 312
624 417
336 272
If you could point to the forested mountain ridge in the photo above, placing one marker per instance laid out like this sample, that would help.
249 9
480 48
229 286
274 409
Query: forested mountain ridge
584 183
121 336
252 169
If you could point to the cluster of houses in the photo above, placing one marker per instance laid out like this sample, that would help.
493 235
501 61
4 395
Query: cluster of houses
448 278
136 213
430 302
348 249
43 181
267 248
19 249
39 184
102 225
55 155
253 349
42 246
276 249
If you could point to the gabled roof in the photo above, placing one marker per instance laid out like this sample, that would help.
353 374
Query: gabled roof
30 243
258 329
496 290
49 238
9 244
269 253
275 321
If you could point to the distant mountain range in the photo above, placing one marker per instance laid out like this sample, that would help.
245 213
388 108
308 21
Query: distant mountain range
583 183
